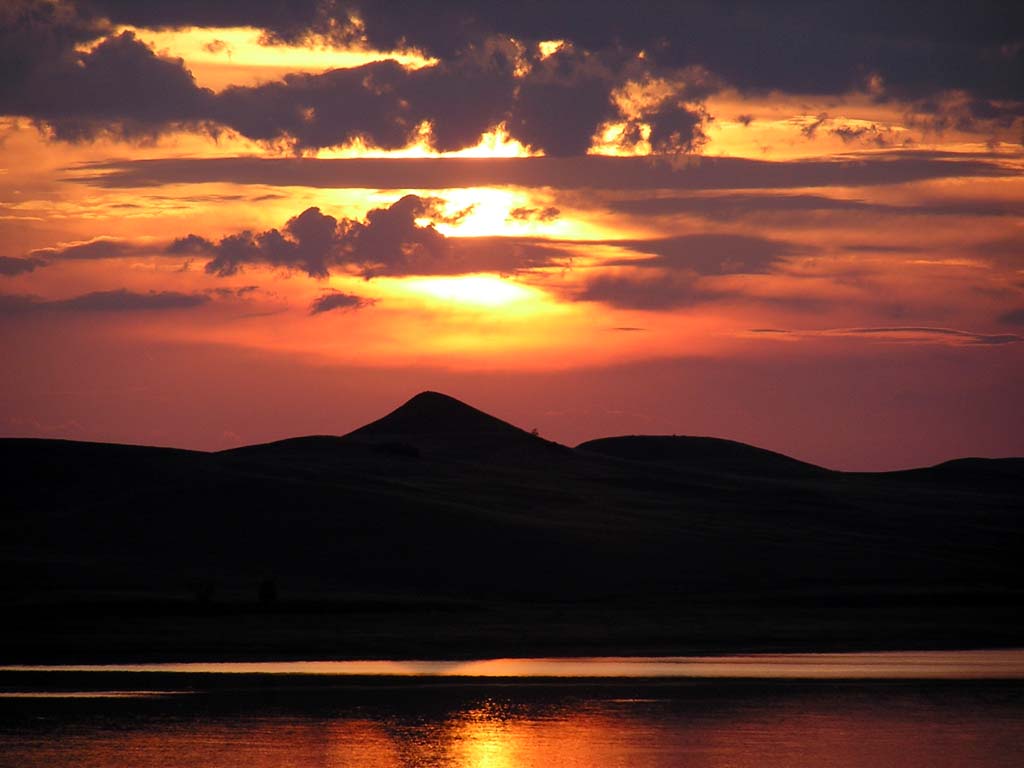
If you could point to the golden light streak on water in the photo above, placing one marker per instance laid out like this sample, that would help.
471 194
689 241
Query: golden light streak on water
908 665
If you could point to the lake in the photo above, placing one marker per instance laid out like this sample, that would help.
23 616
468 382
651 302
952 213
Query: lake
836 710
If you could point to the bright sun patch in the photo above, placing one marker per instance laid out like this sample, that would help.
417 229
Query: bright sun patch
496 142
472 290
487 211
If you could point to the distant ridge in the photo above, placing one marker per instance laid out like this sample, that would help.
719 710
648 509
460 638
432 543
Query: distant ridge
1005 474
699 453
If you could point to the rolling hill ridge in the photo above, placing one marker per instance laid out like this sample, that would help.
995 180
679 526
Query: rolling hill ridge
439 526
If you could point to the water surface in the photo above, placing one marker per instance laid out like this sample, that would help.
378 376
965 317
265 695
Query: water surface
302 716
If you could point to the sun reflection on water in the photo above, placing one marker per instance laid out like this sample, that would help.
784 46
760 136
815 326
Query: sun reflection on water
497 725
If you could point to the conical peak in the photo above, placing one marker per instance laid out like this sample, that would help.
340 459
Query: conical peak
430 399
434 413
431 405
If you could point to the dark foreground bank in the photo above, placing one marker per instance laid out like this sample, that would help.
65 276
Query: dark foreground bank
182 631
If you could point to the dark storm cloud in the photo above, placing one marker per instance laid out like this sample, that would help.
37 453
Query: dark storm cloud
119 300
675 289
122 300
874 135
736 205
968 336
119 85
233 293
1006 251
288 20
919 53
811 129
912 51
657 292
534 214
965 112
308 243
338 301
556 105
562 101
11 266
388 242
821 47
675 273
323 110
99 248
709 254
507 255
905 334
883 247
869 134
591 171
1013 317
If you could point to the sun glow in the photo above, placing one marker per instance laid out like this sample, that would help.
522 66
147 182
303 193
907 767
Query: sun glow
223 56
482 290
550 47
516 212
496 142
480 211
612 139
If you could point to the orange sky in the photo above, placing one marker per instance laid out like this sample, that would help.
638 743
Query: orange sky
836 275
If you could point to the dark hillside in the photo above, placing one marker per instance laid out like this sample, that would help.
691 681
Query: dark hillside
697 454
440 528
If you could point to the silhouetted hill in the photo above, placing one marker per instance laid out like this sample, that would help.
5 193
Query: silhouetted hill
431 423
441 530
434 414
1006 474
699 454
435 422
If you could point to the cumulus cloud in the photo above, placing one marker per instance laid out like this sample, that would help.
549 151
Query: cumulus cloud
59 76
554 104
398 240
339 301
562 101
829 46
118 86
389 241
118 300
961 110
491 70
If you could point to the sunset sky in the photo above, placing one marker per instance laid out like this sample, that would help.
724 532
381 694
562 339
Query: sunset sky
799 225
